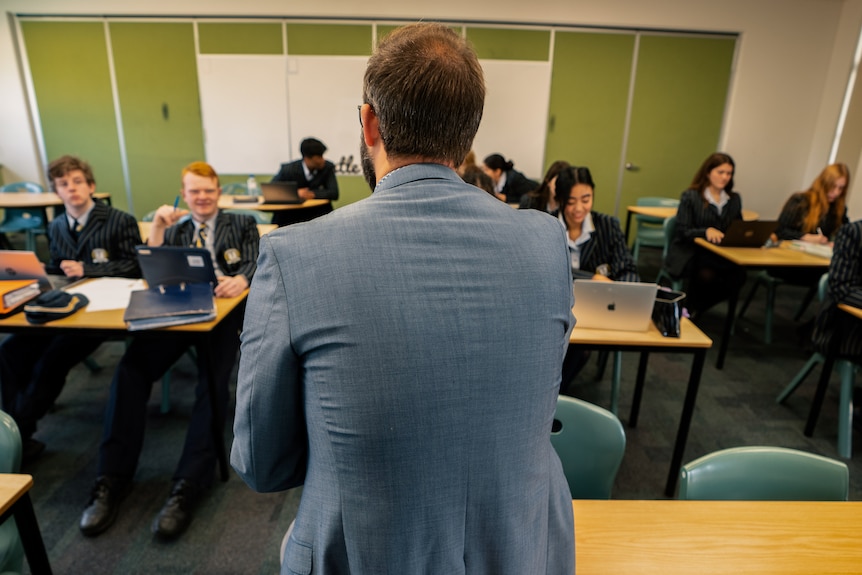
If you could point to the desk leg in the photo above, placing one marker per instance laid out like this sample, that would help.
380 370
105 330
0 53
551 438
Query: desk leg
685 421
628 225
206 363
31 538
639 389
728 326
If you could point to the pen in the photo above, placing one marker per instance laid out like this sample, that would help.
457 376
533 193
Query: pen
177 202
819 231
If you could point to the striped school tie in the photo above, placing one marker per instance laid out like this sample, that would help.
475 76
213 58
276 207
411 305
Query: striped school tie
201 242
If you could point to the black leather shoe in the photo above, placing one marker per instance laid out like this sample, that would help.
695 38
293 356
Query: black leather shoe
104 504
176 514
31 449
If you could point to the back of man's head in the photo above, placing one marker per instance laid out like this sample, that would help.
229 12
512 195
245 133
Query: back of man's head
426 87
311 147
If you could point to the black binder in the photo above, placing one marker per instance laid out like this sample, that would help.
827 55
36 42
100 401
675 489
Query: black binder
164 306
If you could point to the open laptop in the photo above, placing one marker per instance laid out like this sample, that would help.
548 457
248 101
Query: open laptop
21 265
743 234
616 306
280 193
172 265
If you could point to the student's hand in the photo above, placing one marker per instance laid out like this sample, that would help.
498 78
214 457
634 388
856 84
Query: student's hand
815 238
601 278
306 194
72 269
166 216
714 235
231 286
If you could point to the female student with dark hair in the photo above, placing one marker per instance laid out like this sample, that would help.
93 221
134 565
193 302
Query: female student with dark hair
543 198
508 182
816 214
597 247
705 211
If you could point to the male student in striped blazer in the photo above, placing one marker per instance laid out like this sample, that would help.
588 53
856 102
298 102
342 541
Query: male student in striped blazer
91 239
233 240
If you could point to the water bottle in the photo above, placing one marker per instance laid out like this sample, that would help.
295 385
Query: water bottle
251 184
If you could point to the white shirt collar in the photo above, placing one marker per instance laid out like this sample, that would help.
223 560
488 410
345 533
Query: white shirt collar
723 198
82 221
501 183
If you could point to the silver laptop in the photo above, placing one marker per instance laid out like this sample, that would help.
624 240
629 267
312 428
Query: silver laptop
616 306
21 265
280 193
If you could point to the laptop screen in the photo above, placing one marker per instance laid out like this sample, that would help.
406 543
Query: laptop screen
172 265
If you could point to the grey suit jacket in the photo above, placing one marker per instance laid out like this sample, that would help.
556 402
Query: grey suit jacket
377 370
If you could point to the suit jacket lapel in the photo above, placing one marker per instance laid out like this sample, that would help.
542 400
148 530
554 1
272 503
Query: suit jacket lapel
94 223
587 249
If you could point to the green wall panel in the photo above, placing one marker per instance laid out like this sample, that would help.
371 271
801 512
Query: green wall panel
587 110
69 66
236 38
328 40
678 107
158 87
501 44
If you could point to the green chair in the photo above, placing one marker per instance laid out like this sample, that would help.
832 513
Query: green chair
764 474
590 442
764 278
30 221
616 376
847 374
669 227
259 216
649 231
11 549
234 189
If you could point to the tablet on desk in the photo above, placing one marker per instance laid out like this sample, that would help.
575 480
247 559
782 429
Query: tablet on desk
172 265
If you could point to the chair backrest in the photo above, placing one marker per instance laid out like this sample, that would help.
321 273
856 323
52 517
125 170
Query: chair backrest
235 189
259 217
590 442
10 444
658 202
822 286
18 187
764 474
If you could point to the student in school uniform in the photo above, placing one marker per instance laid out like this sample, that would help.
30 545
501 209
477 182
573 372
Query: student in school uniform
597 247
91 239
814 216
706 210
509 183
315 179
233 240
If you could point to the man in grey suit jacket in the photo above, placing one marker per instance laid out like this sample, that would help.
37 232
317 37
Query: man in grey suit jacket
376 366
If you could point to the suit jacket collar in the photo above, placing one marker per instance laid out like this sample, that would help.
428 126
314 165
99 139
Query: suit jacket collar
415 172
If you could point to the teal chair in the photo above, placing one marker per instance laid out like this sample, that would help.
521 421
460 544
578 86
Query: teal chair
11 549
649 231
590 442
259 216
234 189
764 278
669 227
616 376
764 474
30 221
847 375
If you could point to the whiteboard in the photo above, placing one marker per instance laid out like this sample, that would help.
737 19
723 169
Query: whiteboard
244 112
324 92
516 111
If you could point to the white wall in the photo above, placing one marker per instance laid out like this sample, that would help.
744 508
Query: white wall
791 71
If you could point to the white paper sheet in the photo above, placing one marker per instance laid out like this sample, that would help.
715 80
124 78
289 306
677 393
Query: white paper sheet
107 293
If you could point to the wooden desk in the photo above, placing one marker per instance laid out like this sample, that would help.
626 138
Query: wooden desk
32 200
15 502
227 202
711 537
691 340
109 323
757 258
144 228
666 212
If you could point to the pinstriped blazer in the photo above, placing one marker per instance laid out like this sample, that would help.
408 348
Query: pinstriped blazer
232 232
106 245
692 220
607 245
845 286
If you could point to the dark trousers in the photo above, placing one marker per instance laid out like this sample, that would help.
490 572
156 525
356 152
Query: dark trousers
713 280
574 361
33 370
145 361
